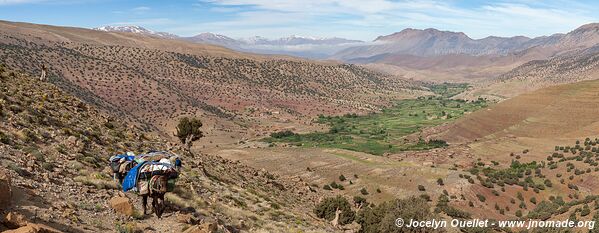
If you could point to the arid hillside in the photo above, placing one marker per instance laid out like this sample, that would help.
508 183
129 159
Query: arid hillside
566 68
53 156
153 80
538 120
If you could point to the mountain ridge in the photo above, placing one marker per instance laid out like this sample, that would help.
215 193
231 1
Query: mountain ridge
301 46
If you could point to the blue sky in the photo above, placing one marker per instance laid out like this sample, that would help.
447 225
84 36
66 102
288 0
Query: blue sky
353 19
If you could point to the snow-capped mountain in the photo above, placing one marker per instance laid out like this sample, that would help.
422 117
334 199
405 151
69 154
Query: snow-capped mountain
137 30
309 47
216 39
212 38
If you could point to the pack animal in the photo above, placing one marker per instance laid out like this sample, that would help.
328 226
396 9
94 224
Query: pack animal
157 187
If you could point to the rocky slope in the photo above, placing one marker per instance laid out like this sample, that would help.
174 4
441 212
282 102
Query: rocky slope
565 68
53 157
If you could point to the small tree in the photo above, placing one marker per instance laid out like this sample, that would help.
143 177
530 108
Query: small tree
188 131
327 208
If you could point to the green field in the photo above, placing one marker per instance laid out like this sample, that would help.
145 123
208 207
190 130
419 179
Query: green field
384 131
448 90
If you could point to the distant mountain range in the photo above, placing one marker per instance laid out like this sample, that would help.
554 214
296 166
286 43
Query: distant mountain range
394 48
432 42
137 30
445 53
310 47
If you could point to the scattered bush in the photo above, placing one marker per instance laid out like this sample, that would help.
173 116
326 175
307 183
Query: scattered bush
363 191
282 134
358 200
440 182
518 213
481 198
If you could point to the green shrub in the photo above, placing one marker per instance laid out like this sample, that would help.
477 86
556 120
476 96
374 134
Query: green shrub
327 208
585 211
282 134
425 197
341 178
358 200
4 139
533 200
363 191
381 218
481 198
440 182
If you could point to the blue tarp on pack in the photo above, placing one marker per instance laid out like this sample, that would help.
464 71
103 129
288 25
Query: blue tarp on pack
130 180
120 156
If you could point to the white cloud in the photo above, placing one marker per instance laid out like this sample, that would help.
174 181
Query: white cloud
150 22
140 9
368 19
14 2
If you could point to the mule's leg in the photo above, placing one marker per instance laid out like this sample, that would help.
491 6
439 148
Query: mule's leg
160 205
154 205
144 202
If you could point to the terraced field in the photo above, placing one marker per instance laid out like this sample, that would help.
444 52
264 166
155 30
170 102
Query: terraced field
385 131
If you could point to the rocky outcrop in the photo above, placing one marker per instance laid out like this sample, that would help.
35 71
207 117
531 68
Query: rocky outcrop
34 228
6 194
18 223
14 220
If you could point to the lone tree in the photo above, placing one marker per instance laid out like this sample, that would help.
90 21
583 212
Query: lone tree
335 209
188 131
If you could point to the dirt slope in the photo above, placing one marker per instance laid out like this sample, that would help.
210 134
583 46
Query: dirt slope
564 111
153 80
54 148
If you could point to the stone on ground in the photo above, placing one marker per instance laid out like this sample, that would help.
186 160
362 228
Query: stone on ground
209 227
122 205
14 220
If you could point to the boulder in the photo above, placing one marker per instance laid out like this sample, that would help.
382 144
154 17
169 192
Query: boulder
209 227
14 220
185 218
122 205
34 228
5 184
